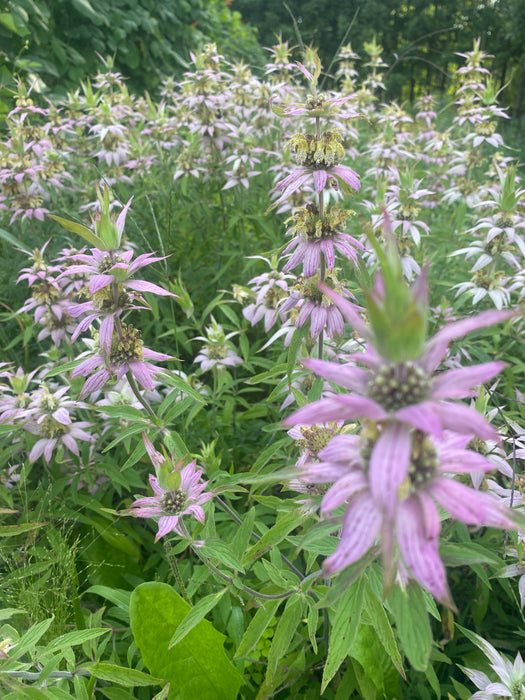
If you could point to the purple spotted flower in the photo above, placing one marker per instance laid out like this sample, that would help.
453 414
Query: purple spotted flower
317 306
184 496
105 267
316 236
408 535
410 392
317 157
127 354
412 440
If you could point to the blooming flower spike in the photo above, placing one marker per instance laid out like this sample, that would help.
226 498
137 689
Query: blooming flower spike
176 493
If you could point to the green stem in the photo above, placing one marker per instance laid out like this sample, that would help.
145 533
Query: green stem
134 388
237 584
172 561
35 676
228 509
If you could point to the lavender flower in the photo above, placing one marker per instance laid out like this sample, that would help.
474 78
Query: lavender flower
316 236
317 306
127 354
413 436
407 391
217 351
353 466
182 494
318 157
270 289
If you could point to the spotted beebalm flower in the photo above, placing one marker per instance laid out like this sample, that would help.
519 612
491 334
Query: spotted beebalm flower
408 517
317 157
170 504
413 437
511 676
312 439
270 289
127 354
316 306
52 434
409 392
105 267
315 236
217 351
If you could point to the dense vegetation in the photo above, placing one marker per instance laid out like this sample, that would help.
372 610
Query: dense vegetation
261 381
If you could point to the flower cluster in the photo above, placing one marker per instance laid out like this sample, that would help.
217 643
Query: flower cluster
177 492
112 292
414 436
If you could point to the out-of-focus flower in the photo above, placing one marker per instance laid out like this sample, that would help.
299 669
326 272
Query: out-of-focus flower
217 351
511 675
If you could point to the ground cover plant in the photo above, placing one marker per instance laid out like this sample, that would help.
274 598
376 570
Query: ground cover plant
261 392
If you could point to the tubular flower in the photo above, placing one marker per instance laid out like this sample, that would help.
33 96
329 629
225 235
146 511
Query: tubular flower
409 392
181 495
413 436
127 354
403 513
316 235
318 157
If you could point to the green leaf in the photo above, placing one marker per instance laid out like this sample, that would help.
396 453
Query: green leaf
114 538
66 367
284 632
461 554
85 9
371 655
197 667
214 547
293 349
11 239
117 596
6 613
132 430
30 638
126 412
26 692
256 628
413 625
86 233
284 525
171 378
195 615
128 677
70 639
344 629
241 539
383 628
8 21
10 530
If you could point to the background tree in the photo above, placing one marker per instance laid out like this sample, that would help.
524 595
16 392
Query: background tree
55 42
420 38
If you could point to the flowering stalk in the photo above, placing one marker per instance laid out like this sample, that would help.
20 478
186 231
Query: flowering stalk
413 437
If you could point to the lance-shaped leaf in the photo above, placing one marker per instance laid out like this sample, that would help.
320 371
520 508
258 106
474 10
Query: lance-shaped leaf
86 233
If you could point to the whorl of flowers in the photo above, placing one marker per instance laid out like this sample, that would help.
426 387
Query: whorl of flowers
414 434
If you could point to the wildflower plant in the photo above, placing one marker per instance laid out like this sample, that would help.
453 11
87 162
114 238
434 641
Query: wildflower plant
368 547
392 476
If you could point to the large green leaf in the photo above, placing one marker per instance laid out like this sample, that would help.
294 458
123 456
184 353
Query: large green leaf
196 667
383 629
